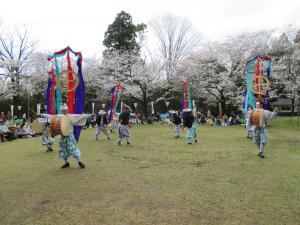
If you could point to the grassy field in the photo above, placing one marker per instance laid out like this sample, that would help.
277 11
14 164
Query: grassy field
157 180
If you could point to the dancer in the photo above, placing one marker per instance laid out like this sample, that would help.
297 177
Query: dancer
189 123
260 134
124 126
102 123
67 143
177 121
48 142
113 123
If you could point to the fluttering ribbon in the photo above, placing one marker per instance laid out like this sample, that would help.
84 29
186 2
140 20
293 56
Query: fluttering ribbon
249 96
116 93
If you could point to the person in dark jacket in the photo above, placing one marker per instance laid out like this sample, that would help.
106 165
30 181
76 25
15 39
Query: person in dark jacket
124 126
176 121
190 125
102 123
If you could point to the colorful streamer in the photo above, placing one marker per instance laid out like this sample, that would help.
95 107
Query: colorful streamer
116 93
186 96
75 98
250 97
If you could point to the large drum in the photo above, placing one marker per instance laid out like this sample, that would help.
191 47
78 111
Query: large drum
37 127
60 125
257 118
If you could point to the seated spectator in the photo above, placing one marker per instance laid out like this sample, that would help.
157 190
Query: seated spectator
5 133
28 130
20 133
9 116
225 119
3 117
238 120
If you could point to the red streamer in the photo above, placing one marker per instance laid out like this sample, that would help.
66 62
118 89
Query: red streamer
71 95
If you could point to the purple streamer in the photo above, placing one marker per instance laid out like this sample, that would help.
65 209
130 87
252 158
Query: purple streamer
112 103
79 99
48 95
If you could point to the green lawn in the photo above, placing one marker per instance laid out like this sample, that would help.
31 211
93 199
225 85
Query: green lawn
157 180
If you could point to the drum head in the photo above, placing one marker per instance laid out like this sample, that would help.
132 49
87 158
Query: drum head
37 127
65 125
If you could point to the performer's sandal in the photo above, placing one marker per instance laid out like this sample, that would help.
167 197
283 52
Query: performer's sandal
82 165
66 165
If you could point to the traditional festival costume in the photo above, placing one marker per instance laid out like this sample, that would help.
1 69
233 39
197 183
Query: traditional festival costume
191 126
48 142
116 93
102 123
113 123
66 79
67 143
124 126
260 134
176 121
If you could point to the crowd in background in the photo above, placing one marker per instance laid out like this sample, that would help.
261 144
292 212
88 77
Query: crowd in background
13 127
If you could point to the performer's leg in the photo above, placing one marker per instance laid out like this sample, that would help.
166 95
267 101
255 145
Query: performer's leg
106 134
177 131
49 147
262 149
120 136
128 140
63 152
97 132
74 150
195 133
188 135
119 140
127 135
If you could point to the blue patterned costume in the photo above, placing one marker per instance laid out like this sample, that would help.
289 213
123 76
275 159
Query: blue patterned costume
191 126
191 133
45 139
260 134
67 144
68 147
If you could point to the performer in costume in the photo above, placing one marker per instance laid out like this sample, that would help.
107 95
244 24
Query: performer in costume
102 123
113 123
48 142
124 126
67 143
189 123
260 134
177 121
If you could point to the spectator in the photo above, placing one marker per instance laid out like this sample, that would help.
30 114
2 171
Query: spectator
3 117
4 131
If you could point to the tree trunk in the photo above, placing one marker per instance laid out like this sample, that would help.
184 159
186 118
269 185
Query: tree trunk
145 106
222 107
293 109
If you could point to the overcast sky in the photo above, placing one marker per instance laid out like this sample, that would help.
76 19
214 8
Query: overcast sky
82 23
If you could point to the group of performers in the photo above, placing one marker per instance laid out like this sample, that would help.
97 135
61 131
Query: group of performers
68 144
122 124
188 120
73 118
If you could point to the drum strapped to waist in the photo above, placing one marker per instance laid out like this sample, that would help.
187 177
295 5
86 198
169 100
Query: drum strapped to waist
257 118
60 125
37 127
